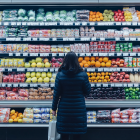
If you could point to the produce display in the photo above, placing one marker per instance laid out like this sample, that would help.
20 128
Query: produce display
91 116
132 93
4 117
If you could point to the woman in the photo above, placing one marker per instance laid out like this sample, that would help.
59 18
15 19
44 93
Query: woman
71 84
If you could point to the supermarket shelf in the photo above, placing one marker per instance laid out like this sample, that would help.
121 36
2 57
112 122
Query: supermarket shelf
91 69
95 103
22 125
111 54
113 125
70 39
70 23
29 103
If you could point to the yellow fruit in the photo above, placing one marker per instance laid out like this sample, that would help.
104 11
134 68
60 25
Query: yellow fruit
108 80
102 73
99 81
106 73
12 111
10 120
95 81
94 74
91 74
89 80
19 120
107 77
21 116
99 74
105 80
100 59
108 64
105 59
15 120
97 64
103 64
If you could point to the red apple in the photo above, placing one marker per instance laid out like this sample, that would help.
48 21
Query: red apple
121 61
115 66
121 65
124 80
128 80
113 62
122 73
111 78
126 76
118 63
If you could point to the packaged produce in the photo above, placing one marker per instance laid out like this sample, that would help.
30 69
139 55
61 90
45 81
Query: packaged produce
37 116
36 110
27 120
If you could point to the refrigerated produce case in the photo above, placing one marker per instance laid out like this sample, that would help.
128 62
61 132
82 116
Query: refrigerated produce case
107 50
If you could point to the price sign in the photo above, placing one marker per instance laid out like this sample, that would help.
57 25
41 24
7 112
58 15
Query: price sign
136 85
117 38
138 54
17 54
119 54
111 54
98 85
125 54
92 85
56 69
6 23
15 85
30 69
84 23
35 85
20 69
92 23
3 85
68 23
31 85
128 23
92 69
24 85
85 39
134 23
61 54
10 54
54 39
41 39
102 39
88 69
52 85
105 85
71 39
13 23
130 85
54 54
118 85
118 23
18 39
88 54
34 39
126 39
51 69
9 85
100 69
24 23
46 69
95 54
33 54
46 39
136 69
61 23
132 39
18 23
93 38
112 85
100 23
132 54
117 69
9 69
42 23
77 23
106 69
124 85
25 54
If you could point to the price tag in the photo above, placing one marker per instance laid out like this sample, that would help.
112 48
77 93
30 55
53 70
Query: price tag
54 39
119 54
136 69
130 85
37 69
42 24
18 23
132 39
18 39
10 39
42 54
34 39
127 39
117 38
82 54
51 69
25 54
30 69
93 38
41 69
6 23
68 23
92 69
102 39
112 85
33 54
85 39
46 39
24 23
17 54
24 85
106 69
100 69
41 39
138 54
13 23
88 69
105 85
56 69
138 23
101 23
118 85
104 54
95 54
61 23
9 69
124 69
42 85
134 23
136 85
61 54
88 54
124 85
130 69
35 85
71 39
84 23
52 23
45 69
9 85
2 69
31 85
118 23
52 85
92 23
20 69
10 54
77 23
117 69
15 85
27 39
125 54
92 85
128 23
132 54
54 54
111 54
98 85
3 85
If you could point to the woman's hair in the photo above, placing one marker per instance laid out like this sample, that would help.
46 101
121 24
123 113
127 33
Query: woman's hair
71 62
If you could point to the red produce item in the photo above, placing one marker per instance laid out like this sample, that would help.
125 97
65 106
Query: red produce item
11 93
133 121
22 98
12 98
115 116
115 120
123 120
116 111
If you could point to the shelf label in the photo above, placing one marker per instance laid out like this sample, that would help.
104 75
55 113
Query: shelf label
24 23
30 69
82 54
102 39
132 39
68 23
125 54
134 23
118 23
136 85
35 85
93 38
3 85
20 69
56 69
71 39
105 85
112 85
15 85
9 69
19 23
124 85
34 39
92 85
88 54
42 24
25 54
84 23
51 69
106 69
138 39
10 54
126 38
45 69
136 69
9 85
100 23
6 23
61 54
100 69
13 23
95 54
111 54
27 39
85 39
117 69
46 39
77 23
128 23
88 69
98 85
18 39
61 23
54 54
130 85
132 54
54 39
33 54
10 39
138 54
17 54
92 23
119 54
103 54
118 85
117 38
24 85
52 85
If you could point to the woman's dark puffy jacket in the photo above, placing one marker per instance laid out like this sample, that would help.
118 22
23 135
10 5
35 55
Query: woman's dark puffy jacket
71 116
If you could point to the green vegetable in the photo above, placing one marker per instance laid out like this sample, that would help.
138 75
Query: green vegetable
21 12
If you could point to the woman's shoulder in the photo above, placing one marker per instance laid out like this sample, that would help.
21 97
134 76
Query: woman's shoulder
82 73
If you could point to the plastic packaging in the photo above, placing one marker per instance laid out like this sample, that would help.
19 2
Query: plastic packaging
36 110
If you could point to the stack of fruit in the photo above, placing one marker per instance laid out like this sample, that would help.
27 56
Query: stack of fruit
108 15
128 16
28 115
132 93
94 61
119 16
99 77
95 16
15 117
117 62
40 77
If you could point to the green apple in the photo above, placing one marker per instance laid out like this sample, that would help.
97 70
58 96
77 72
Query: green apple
28 74
33 65
40 80
46 80
47 64
43 75
49 74
52 80
43 65
54 75
33 74
39 64
38 74
34 79
28 80
27 65
33 60
38 59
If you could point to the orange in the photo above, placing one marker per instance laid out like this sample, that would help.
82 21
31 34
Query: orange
89 80
91 13
86 65
90 19
97 16
100 59
105 80
81 64
87 58
106 73
96 57
92 63
97 64
105 59
93 16
94 73
19 114
108 64
80 59
102 73
92 58
89 63
98 19
84 62
99 74
101 18
95 81
13 117
15 120
94 19
107 77
16 114
100 14
103 64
